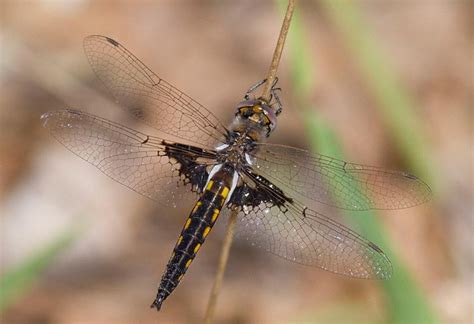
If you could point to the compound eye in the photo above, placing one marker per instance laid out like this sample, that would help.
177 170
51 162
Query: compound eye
245 112
271 116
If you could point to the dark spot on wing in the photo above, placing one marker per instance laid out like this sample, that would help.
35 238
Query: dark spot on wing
111 41
375 247
304 211
74 112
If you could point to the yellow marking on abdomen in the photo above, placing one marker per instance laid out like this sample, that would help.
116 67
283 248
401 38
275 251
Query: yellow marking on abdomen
179 240
180 277
225 192
187 223
197 247
206 232
214 216
188 263
210 184
197 206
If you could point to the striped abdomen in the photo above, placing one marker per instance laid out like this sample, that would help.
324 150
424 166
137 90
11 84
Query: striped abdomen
195 230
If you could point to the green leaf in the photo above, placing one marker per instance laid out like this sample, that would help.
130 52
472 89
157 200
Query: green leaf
394 103
404 299
18 280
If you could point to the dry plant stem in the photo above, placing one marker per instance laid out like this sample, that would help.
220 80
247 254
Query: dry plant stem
278 50
233 217
211 305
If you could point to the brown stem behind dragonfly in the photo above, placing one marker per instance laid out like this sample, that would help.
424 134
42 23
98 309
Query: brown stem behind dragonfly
224 255
278 50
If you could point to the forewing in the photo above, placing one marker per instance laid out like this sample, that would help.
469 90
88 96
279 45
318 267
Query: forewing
148 165
337 183
150 98
284 227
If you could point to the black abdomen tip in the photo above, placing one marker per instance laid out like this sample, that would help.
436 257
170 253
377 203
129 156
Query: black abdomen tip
157 303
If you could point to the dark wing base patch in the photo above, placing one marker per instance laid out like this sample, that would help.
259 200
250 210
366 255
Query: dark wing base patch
190 171
260 191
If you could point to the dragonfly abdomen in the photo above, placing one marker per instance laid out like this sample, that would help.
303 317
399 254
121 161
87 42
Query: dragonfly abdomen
195 230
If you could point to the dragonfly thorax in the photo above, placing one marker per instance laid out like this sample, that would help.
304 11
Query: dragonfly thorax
255 118
236 149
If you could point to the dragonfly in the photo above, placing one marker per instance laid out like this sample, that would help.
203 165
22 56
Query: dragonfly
277 191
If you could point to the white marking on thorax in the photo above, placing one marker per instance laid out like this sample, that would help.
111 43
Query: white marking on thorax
235 180
213 171
221 147
248 159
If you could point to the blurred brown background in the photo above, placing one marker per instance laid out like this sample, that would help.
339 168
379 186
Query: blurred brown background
214 50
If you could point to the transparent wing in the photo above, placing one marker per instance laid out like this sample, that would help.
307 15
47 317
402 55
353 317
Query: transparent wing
145 164
286 228
150 98
337 183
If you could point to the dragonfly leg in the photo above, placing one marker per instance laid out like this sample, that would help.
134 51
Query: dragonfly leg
253 88
273 93
279 106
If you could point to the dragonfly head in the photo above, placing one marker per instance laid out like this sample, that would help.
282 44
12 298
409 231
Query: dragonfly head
256 114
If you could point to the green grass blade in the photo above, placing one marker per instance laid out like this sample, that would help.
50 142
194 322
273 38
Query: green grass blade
17 281
395 104
404 300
